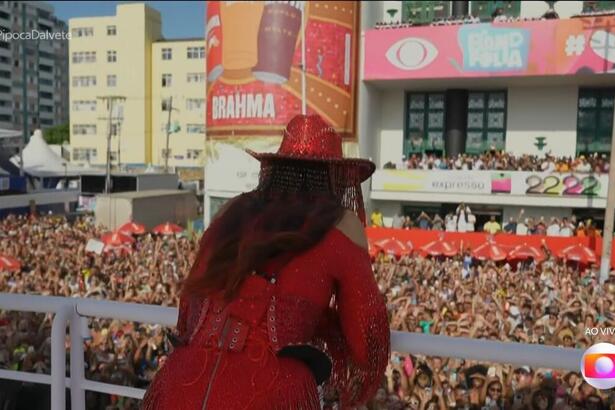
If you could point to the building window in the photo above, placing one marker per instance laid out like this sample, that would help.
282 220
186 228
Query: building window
166 102
425 125
111 80
195 77
595 119
84 81
166 80
84 154
111 30
592 6
84 57
424 12
84 129
84 105
194 153
82 32
486 127
167 53
486 10
196 52
194 103
111 56
195 128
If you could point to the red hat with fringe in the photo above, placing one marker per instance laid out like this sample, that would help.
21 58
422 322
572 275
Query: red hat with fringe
307 141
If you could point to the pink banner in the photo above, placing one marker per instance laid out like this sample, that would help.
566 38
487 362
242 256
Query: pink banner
531 48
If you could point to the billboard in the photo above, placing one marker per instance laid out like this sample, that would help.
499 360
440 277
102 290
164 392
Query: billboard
254 60
518 183
500 49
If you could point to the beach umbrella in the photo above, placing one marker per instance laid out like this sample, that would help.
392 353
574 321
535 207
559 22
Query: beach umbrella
392 246
525 251
578 253
116 239
440 247
168 229
132 228
9 264
489 251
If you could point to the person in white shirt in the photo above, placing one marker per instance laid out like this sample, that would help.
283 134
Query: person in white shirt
450 222
462 213
566 228
553 229
522 227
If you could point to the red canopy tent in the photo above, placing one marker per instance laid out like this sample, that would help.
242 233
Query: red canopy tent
440 247
578 253
395 247
116 239
489 251
132 228
525 251
168 229
9 264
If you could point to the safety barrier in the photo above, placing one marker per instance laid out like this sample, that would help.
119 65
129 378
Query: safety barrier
73 312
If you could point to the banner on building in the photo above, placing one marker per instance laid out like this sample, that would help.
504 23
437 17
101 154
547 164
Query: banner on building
254 59
450 182
519 183
523 48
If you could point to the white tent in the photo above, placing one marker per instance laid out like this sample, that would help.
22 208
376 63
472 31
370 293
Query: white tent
40 160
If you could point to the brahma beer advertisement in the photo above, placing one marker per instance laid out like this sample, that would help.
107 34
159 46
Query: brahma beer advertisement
254 60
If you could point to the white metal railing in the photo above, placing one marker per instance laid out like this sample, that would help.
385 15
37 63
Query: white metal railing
74 311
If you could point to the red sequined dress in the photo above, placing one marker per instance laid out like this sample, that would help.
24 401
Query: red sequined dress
318 318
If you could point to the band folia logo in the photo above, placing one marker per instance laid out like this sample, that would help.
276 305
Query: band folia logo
494 49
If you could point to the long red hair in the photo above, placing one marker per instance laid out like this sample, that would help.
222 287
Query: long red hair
253 229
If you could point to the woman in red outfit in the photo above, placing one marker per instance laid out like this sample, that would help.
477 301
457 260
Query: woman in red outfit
281 304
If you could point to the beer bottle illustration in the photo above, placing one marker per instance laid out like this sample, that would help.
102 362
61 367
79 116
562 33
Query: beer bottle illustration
240 22
277 39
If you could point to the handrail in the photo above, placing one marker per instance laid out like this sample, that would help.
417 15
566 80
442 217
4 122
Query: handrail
75 311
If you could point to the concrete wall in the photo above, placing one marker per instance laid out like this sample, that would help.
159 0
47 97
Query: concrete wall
112 211
550 112
391 133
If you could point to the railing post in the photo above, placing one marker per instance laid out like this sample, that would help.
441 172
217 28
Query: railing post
77 366
58 356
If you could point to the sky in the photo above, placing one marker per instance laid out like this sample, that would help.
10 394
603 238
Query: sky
179 18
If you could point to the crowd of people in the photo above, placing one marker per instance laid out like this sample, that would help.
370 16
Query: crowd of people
503 161
551 304
54 261
463 220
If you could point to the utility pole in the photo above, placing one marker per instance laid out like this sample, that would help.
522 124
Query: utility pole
109 99
166 152
607 235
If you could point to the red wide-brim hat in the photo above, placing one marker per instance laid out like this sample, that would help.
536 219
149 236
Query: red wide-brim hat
308 138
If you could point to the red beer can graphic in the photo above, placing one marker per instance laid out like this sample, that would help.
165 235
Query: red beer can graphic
214 41
277 39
